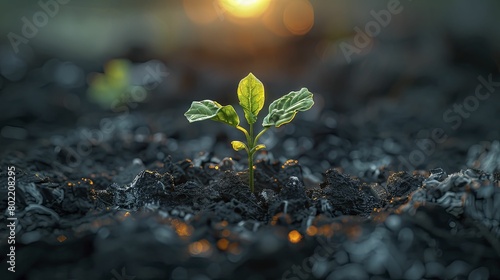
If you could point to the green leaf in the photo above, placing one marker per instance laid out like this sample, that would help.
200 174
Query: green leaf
238 145
284 109
251 96
211 110
202 110
227 115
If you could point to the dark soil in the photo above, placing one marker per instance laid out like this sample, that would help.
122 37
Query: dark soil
134 207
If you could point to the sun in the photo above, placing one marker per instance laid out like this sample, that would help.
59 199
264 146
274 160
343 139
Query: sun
244 8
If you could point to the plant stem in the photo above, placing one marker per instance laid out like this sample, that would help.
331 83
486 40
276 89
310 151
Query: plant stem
259 135
251 144
250 172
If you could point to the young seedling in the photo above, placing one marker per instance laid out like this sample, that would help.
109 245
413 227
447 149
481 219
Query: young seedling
251 97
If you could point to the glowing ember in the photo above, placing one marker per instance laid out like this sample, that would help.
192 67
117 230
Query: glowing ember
312 230
294 236
222 244
61 238
182 229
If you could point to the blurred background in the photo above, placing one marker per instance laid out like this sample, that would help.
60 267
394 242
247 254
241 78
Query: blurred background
401 64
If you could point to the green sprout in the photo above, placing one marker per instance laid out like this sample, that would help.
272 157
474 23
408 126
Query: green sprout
251 97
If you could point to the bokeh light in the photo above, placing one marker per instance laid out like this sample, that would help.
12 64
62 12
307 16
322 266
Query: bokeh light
298 17
294 236
200 248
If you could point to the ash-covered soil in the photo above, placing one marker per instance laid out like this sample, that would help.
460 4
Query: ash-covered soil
112 202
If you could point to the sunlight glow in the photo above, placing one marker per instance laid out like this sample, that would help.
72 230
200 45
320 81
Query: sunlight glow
244 8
